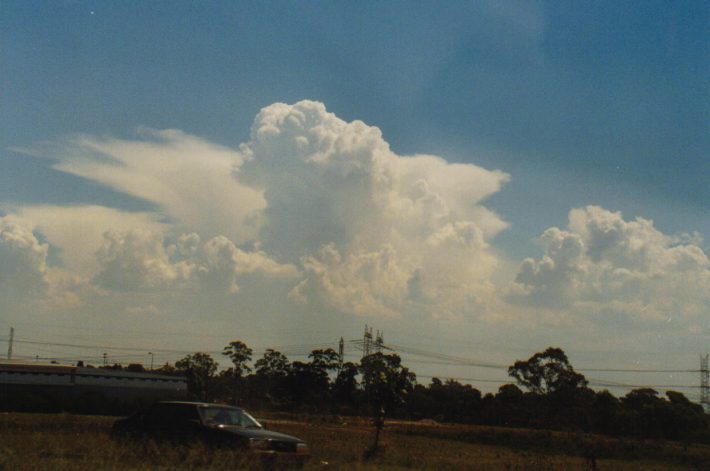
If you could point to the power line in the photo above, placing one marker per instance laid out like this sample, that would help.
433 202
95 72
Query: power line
644 386
100 347
473 380
305 349
297 350
135 333
460 361
193 334
633 370
453 360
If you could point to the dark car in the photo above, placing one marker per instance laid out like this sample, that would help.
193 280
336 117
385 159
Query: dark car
212 424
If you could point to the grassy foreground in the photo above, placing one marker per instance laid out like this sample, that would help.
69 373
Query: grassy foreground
67 442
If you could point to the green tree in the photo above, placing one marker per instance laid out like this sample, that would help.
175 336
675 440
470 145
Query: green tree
271 376
644 406
166 369
606 413
308 384
240 354
234 378
547 372
682 418
324 361
199 369
273 364
302 385
509 407
345 387
455 402
386 384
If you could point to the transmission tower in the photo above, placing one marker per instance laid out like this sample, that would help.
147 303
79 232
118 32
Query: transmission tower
379 342
704 382
367 342
372 343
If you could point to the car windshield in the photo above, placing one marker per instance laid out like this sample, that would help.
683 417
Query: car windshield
227 416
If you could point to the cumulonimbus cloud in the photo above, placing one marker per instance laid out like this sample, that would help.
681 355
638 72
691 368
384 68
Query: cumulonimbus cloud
375 232
361 229
324 211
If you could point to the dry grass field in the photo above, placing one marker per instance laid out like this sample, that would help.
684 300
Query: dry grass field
66 442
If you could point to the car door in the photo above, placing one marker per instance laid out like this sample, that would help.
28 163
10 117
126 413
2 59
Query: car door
157 422
185 423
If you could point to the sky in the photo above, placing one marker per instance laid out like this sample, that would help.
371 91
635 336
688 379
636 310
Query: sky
477 180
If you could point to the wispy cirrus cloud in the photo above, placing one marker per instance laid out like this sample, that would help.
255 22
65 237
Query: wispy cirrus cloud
189 180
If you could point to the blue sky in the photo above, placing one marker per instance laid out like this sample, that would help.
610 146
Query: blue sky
553 93
577 104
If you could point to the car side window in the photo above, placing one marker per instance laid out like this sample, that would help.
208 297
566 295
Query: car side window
169 416
185 413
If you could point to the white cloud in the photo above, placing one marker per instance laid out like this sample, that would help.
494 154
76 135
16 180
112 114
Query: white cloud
77 231
314 219
363 283
605 264
321 214
23 260
189 180
325 213
27 281
137 260
143 260
221 263
309 195
367 224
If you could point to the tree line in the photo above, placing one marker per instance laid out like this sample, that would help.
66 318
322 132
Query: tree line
548 394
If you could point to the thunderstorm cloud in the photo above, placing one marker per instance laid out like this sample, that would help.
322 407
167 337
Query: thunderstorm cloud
323 215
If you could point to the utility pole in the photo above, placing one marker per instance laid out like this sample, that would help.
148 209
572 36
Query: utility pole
341 353
105 355
9 347
151 360
704 382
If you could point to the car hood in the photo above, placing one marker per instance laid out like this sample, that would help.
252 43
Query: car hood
258 433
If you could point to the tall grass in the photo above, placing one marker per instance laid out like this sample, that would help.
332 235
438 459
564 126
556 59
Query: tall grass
65 442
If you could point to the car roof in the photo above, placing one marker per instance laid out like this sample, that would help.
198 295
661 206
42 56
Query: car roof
198 404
